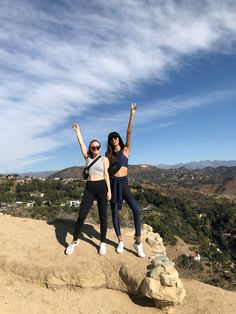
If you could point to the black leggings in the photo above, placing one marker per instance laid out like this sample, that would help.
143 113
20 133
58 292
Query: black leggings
128 197
94 190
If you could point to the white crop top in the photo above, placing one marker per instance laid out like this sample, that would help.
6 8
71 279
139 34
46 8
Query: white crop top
97 168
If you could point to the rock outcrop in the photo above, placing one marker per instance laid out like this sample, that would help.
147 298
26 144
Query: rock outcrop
32 260
39 258
162 283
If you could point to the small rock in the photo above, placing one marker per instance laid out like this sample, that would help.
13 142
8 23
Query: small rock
160 258
147 228
179 284
161 261
155 273
162 295
157 254
155 244
168 280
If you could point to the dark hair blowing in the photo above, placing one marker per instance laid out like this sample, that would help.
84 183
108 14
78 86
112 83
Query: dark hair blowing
90 154
110 147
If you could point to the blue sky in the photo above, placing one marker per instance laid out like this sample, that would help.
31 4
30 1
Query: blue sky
86 61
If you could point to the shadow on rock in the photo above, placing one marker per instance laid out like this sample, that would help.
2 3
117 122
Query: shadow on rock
65 226
141 301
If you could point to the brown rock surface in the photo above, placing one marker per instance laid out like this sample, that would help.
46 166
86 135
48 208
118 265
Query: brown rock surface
37 277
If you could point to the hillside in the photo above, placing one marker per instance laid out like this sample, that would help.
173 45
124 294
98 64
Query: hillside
205 222
220 181
36 276
71 172
200 164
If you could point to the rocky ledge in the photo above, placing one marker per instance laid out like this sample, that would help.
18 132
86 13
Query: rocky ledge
35 250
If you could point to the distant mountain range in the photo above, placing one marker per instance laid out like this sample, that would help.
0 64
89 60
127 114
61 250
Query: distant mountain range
180 176
193 165
219 180
200 164
39 174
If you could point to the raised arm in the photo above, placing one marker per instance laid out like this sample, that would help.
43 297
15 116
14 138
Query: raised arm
83 148
133 109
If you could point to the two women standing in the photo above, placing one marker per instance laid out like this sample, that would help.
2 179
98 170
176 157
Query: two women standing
101 188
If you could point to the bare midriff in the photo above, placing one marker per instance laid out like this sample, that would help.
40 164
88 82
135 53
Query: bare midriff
123 172
94 177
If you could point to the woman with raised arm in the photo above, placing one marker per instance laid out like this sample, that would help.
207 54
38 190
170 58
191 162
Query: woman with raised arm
97 188
118 153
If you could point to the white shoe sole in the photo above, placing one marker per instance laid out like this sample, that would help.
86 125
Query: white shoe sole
70 248
103 253
119 251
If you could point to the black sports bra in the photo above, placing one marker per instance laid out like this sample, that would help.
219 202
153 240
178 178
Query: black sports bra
119 156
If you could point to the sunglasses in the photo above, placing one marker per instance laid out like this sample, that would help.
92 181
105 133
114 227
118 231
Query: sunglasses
95 148
115 137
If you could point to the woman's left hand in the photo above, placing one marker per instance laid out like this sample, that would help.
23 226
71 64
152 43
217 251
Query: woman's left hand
108 196
133 108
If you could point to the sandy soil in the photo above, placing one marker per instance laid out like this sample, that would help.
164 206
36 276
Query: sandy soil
181 247
37 277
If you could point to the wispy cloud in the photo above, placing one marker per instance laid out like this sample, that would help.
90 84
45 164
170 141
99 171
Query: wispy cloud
162 109
63 59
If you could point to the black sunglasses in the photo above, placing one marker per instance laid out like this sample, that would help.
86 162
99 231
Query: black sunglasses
113 137
95 148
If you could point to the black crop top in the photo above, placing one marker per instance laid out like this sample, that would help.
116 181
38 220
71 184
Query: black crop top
123 160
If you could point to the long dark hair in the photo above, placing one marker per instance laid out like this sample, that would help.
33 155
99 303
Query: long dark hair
90 154
110 148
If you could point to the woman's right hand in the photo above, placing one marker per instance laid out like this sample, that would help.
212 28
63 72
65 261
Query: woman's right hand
133 108
75 126
108 196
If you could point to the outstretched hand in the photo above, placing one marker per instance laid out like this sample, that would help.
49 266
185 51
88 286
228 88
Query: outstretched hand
133 108
75 126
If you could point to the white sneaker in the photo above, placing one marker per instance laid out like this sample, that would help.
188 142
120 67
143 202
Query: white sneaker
139 249
120 247
102 249
70 248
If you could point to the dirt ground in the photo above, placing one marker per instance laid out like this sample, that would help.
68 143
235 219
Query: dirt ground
37 277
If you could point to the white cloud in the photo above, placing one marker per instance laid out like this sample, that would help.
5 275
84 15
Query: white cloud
149 115
58 61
